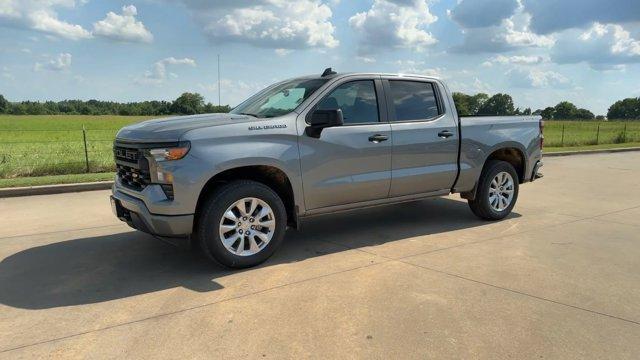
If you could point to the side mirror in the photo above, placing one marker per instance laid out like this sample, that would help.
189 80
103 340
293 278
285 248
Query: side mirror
321 119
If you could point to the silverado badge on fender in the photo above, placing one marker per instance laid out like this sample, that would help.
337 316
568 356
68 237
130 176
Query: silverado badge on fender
267 127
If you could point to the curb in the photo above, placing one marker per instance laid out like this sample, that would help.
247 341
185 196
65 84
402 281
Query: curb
589 152
54 189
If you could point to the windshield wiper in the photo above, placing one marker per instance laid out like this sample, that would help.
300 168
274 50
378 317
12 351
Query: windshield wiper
254 115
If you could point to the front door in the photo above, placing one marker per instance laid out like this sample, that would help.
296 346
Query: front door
349 163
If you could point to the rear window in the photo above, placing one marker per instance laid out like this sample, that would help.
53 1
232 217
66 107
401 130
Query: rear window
413 100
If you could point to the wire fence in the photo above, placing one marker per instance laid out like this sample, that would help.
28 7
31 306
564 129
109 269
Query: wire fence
55 152
581 133
25 153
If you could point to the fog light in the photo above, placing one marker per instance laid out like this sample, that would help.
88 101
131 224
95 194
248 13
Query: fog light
164 176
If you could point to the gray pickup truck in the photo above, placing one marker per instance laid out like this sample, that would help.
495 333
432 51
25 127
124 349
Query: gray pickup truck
312 145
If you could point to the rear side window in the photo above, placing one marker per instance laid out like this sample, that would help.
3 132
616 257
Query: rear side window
356 99
413 100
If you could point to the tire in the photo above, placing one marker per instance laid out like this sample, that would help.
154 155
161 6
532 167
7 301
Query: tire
231 245
487 203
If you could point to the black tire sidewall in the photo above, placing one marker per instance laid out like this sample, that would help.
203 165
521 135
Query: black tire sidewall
482 197
214 209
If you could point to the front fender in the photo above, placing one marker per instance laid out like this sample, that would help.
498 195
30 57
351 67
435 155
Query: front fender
215 157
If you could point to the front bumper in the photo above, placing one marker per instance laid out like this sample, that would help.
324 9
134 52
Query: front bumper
135 213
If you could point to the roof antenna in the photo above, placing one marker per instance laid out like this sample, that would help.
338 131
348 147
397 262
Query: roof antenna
328 72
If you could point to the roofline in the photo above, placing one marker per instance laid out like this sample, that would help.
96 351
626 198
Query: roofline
343 75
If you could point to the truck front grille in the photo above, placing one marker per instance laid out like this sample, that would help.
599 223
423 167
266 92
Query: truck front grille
133 178
131 166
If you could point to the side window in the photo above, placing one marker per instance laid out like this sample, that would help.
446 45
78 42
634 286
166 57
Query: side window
356 99
413 100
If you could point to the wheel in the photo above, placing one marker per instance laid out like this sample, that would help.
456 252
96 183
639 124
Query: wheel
241 224
497 191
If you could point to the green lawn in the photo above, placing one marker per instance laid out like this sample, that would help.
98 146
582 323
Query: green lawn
35 148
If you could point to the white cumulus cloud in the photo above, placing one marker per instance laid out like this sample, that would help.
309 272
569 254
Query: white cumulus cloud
277 24
512 33
158 73
394 23
515 59
602 46
60 63
536 78
41 16
123 27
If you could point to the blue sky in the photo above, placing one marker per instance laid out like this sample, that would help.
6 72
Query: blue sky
539 51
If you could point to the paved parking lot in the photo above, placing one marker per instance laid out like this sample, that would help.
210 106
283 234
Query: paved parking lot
560 278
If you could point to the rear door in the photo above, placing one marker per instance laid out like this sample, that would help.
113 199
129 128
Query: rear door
425 137
349 163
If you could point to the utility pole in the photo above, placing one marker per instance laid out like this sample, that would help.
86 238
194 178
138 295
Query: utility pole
219 102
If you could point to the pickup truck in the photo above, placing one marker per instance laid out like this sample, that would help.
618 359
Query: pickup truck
232 183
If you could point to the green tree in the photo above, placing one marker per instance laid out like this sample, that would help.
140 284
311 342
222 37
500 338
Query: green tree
584 114
548 113
188 103
210 108
627 109
476 102
468 105
462 103
498 104
4 104
565 110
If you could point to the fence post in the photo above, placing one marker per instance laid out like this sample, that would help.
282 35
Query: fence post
562 138
598 135
624 134
86 153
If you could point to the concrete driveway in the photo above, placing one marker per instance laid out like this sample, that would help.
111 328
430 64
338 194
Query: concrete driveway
560 279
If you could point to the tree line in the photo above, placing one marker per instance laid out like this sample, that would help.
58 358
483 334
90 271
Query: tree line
185 104
193 103
482 104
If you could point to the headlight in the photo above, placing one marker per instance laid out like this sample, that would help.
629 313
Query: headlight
168 154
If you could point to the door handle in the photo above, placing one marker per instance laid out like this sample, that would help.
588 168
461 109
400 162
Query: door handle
378 138
445 134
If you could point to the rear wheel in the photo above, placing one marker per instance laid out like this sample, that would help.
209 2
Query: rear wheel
497 191
241 224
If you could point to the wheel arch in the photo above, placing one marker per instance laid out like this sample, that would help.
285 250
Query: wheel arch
512 153
269 175
514 156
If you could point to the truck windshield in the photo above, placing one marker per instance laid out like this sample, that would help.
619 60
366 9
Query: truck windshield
279 99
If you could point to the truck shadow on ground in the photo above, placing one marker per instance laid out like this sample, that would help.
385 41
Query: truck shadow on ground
97 269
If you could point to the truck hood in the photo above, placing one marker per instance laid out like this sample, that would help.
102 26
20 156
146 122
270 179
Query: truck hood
172 128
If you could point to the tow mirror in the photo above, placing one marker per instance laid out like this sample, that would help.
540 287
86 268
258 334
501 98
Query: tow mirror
321 119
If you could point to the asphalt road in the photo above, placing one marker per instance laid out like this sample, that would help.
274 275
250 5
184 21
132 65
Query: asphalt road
558 279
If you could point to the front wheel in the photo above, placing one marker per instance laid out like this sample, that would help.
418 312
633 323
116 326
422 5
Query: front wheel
497 191
241 224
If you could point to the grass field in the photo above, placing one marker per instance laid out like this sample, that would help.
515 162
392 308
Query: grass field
581 133
37 146
54 145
